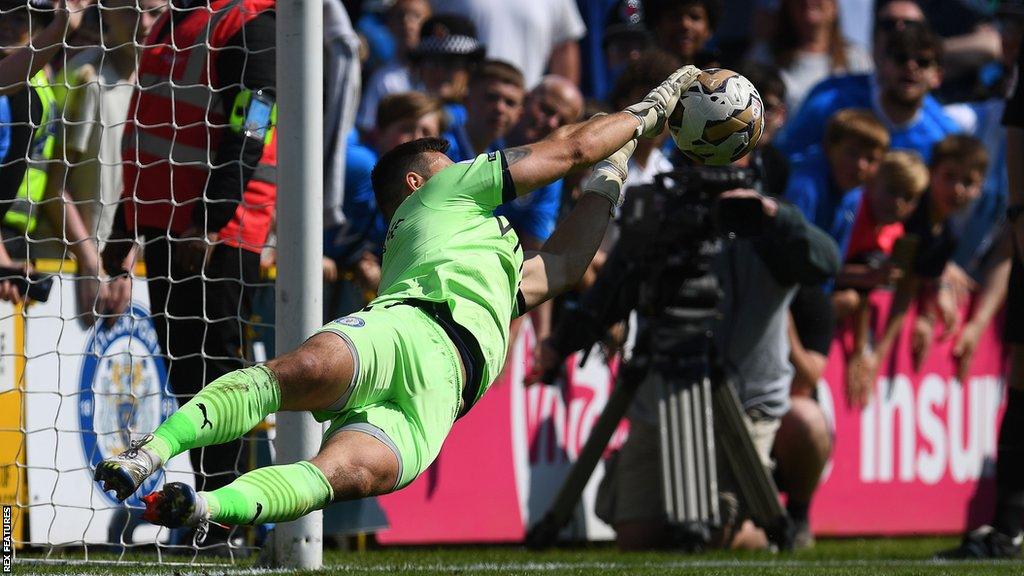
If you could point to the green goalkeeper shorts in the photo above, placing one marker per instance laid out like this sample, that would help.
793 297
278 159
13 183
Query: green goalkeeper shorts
407 385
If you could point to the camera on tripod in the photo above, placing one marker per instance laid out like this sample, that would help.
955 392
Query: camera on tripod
663 267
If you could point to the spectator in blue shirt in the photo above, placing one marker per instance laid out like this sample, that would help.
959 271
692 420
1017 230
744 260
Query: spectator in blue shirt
825 184
898 93
355 246
493 107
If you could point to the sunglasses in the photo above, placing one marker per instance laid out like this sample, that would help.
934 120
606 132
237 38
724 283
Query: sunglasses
894 24
922 62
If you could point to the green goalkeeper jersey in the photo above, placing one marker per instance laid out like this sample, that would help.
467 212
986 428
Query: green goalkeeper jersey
444 244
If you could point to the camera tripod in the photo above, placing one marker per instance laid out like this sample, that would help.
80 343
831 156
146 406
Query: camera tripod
697 409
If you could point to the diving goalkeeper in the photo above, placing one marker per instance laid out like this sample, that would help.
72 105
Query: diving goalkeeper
393 378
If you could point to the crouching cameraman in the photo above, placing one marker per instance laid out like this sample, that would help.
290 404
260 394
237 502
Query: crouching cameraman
757 276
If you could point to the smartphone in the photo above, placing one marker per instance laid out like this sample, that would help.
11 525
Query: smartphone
36 286
257 119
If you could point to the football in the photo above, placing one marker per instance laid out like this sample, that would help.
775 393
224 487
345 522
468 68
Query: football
719 118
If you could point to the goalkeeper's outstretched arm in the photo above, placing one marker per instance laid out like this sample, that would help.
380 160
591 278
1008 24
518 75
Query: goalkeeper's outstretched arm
564 258
584 143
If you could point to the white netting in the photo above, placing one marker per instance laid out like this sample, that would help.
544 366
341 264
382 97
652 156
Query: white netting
116 109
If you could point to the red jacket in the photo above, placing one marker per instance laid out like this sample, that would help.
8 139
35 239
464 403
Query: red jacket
176 122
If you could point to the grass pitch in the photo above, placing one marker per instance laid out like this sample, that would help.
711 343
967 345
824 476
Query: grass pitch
853 557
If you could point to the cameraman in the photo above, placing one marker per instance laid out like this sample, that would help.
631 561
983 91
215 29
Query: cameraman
757 276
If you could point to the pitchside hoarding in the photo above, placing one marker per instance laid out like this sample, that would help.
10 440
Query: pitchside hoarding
87 389
918 459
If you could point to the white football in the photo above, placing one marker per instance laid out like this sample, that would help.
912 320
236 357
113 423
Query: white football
719 118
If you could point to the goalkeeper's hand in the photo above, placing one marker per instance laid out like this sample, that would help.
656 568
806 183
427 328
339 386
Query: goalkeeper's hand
609 175
660 102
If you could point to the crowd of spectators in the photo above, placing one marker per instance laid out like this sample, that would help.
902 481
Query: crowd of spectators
882 133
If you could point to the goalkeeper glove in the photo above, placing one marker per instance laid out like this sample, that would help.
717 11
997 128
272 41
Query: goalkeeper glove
609 174
660 102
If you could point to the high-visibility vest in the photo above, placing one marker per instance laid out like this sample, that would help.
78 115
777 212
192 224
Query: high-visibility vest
23 213
176 122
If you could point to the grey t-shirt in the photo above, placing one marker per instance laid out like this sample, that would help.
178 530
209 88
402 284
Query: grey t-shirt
808 69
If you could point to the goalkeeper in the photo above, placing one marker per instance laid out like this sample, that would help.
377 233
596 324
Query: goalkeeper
393 378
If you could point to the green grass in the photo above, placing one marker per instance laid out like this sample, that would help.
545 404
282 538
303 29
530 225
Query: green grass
854 557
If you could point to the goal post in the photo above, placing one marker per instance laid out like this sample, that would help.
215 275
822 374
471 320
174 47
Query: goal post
78 384
299 287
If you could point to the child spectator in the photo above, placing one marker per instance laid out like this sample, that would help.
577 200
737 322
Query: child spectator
825 184
356 245
890 198
957 172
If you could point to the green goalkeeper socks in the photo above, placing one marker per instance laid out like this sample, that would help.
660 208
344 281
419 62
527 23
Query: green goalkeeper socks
222 411
271 494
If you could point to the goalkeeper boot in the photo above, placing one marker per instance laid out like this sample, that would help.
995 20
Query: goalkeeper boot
175 505
127 471
985 543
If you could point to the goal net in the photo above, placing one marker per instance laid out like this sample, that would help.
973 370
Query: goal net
128 137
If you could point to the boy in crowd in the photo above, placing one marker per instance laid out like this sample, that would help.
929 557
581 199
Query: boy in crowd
825 184
356 245
1003 537
957 173
494 105
889 200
